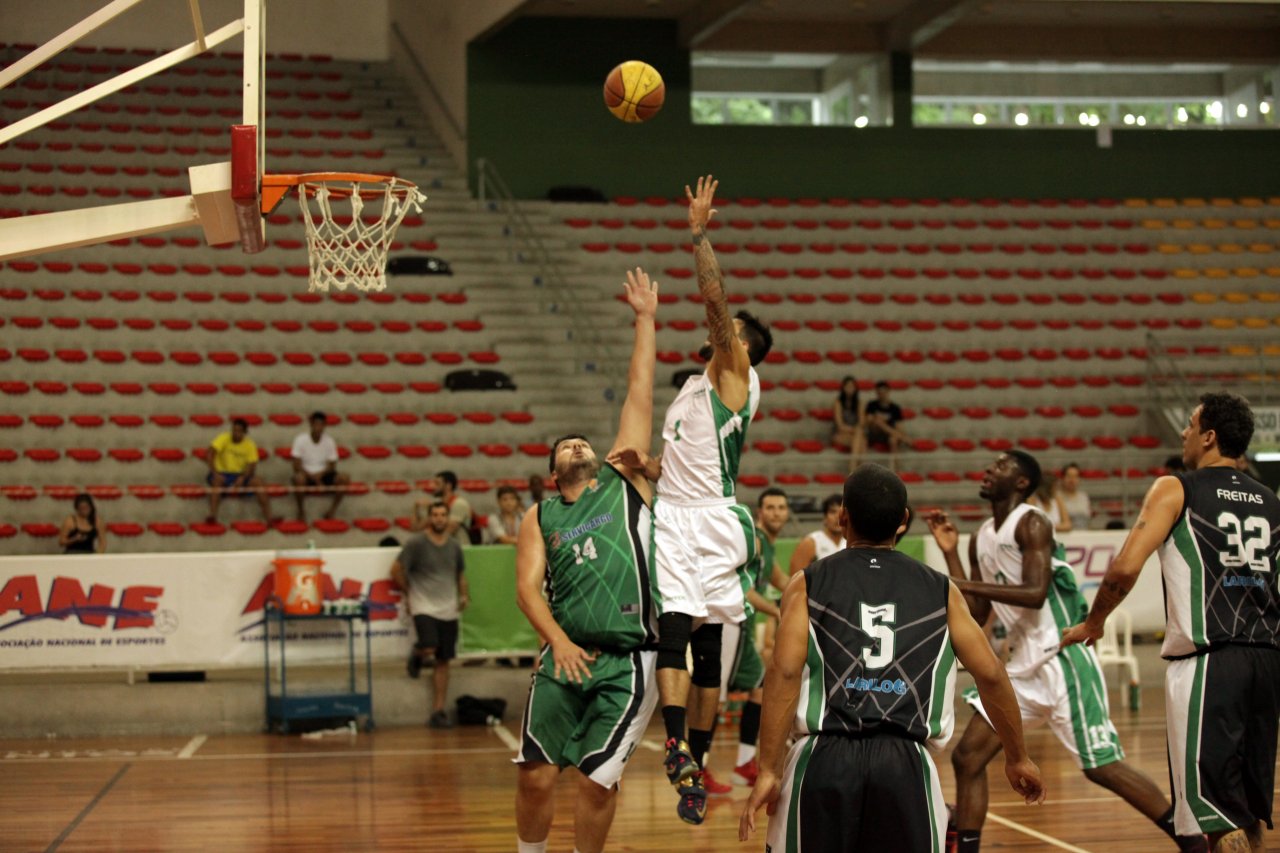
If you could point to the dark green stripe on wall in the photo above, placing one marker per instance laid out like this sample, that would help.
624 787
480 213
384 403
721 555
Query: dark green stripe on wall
535 109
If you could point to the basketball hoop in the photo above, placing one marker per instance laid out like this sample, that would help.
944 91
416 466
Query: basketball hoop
348 248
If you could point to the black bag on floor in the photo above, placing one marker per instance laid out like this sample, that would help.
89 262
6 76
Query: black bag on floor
478 380
480 712
418 265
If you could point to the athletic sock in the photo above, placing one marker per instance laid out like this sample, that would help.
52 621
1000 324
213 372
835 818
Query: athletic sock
531 846
673 719
746 752
699 743
968 840
750 727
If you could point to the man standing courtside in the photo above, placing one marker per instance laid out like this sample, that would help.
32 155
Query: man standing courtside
593 692
863 673
824 541
430 567
1217 533
702 537
1020 572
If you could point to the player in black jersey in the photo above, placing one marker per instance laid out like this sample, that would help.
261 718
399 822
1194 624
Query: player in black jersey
863 673
1217 532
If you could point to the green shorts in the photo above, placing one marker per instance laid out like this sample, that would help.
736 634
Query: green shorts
747 671
594 726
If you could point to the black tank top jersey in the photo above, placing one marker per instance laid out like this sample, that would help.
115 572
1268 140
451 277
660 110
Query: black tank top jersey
880 657
1219 564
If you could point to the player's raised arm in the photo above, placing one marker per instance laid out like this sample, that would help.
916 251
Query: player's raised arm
531 573
1159 513
947 537
635 428
1034 536
781 696
729 356
974 653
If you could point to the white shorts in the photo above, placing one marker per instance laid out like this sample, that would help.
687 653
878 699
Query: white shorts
699 552
1067 692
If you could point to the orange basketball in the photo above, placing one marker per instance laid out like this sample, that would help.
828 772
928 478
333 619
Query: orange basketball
634 91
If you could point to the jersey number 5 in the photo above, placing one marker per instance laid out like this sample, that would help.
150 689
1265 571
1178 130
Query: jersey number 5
1245 540
876 619
585 551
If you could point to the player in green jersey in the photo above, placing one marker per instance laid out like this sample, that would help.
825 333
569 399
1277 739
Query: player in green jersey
594 689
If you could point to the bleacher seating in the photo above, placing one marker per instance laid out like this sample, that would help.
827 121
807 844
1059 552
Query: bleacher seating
999 323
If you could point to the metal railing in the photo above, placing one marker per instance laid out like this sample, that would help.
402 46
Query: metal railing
1176 374
593 346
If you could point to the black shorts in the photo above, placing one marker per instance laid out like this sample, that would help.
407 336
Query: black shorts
845 794
438 634
324 478
1223 710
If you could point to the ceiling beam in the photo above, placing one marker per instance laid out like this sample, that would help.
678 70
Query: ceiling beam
920 21
797 36
707 18
1238 45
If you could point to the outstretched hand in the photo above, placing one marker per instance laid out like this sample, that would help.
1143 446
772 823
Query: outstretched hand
944 530
1081 633
700 209
642 294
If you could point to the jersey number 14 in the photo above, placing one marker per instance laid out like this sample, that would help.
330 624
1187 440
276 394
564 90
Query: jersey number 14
585 551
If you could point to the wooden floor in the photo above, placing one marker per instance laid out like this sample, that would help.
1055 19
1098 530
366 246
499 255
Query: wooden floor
418 789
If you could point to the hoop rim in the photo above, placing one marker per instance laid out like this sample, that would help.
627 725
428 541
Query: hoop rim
275 186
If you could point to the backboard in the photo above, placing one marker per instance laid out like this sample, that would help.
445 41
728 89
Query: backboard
211 205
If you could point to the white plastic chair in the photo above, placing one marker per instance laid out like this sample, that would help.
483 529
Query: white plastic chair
1116 647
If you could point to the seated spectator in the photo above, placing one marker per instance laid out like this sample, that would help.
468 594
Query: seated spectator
1074 499
233 463
537 489
1045 499
880 422
459 508
848 429
315 466
504 525
82 531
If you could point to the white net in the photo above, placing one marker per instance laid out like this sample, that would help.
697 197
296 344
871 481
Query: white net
350 248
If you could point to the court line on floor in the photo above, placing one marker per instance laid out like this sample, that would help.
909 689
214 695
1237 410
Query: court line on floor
504 734
651 745
1040 836
192 745
71 827
245 756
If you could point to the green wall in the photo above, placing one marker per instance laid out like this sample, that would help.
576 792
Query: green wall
535 109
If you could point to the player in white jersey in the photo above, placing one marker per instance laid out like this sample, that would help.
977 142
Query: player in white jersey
702 538
822 542
1021 573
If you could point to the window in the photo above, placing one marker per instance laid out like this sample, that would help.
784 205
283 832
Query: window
792 89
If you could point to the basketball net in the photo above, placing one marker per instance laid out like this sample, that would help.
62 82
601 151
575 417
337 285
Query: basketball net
350 249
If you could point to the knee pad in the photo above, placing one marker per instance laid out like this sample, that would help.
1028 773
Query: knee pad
673 640
705 645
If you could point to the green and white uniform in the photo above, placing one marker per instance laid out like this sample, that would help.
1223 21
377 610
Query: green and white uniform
741 666
600 592
1062 687
702 537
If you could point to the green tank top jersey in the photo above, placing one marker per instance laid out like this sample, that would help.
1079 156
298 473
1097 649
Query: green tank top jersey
598 564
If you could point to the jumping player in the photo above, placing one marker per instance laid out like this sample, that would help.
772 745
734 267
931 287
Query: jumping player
1217 532
702 537
1019 571
864 673
593 692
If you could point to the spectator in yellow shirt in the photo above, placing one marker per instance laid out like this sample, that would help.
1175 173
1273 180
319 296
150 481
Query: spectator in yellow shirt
233 460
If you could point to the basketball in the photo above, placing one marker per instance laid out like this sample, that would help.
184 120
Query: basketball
634 92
